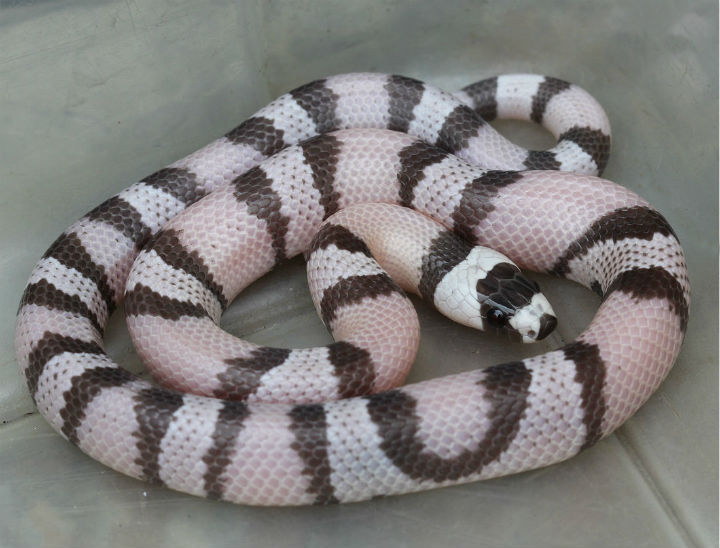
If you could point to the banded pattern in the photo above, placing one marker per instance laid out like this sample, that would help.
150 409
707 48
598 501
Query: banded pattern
563 108
375 326
475 425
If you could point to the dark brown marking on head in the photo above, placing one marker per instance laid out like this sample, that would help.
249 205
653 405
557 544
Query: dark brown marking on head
502 292
590 372
394 413
446 251
254 188
461 125
51 345
414 159
143 301
180 183
68 250
354 289
168 246
484 97
43 293
541 159
83 389
593 142
242 377
229 424
321 154
548 89
123 217
259 133
309 426
320 102
154 409
476 201
353 367
505 284
404 94
653 283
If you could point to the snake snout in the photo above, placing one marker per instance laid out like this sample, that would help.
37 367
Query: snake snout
548 322
534 321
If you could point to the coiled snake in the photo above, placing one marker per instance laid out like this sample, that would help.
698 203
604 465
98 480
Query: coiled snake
336 142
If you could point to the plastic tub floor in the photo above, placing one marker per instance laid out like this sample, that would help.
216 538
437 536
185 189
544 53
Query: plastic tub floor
95 95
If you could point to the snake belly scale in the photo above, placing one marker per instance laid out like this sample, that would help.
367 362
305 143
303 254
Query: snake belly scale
353 139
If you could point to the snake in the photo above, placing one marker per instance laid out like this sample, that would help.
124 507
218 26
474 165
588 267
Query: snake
301 175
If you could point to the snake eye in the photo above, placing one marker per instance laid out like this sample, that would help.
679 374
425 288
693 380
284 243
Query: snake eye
496 317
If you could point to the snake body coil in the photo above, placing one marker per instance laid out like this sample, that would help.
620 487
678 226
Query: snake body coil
278 176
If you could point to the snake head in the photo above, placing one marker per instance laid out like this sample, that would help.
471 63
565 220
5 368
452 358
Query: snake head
509 300
490 292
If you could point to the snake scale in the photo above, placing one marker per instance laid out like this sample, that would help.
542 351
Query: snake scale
272 182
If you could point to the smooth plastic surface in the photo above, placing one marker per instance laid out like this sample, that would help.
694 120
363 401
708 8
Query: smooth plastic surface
95 95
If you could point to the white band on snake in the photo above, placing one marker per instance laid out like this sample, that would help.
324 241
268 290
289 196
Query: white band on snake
329 148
